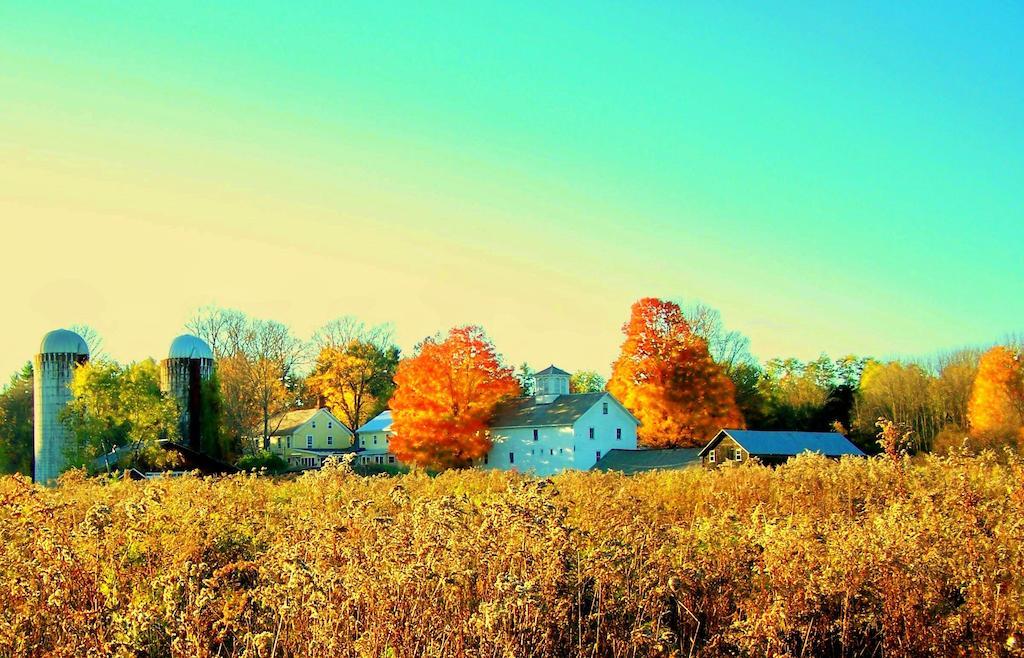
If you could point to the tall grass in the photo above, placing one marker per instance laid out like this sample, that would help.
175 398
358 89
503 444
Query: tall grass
816 558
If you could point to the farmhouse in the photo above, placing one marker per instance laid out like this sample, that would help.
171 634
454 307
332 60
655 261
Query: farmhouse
306 437
373 439
555 430
773 447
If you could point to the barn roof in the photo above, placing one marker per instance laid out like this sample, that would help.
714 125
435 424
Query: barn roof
785 443
552 370
527 412
635 461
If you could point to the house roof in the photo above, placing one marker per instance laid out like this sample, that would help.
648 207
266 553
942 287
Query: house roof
526 412
635 461
760 442
379 423
194 460
552 370
287 422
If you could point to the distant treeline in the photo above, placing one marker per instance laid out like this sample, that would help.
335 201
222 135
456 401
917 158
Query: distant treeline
681 371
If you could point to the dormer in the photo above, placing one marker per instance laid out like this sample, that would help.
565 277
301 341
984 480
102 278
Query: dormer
549 383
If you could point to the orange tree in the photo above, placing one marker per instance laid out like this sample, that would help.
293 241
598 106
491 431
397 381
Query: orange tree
668 380
996 407
445 397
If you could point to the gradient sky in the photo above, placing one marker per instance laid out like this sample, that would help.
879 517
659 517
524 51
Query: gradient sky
837 177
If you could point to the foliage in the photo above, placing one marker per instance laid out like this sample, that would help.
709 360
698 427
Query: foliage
115 405
16 423
446 394
666 378
264 459
929 396
996 407
354 371
213 441
586 381
257 367
814 558
524 375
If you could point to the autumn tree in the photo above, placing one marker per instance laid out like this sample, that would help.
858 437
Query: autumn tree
257 366
116 406
666 378
16 423
996 407
354 370
446 395
586 381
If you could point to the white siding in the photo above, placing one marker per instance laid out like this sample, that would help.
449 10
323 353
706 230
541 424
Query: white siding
559 448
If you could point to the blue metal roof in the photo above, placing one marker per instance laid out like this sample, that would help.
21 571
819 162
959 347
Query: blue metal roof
379 423
758 442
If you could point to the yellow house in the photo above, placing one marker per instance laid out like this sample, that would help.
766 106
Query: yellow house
306 437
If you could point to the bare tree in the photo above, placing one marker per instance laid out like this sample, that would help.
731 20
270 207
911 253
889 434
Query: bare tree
257 363
728 348
92 339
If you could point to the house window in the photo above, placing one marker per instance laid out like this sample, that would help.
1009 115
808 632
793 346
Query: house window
598 455
330 440
604 408
536 434
591 432
391 459
737 454
618 433
309 440
289 441
511 458
711 456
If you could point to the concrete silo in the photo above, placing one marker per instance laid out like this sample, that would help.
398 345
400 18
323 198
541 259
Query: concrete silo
188 364
59 353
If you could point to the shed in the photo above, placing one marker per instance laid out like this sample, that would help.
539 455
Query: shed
636 461
774 447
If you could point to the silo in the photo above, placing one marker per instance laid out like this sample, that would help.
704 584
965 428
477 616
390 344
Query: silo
189 362
59 353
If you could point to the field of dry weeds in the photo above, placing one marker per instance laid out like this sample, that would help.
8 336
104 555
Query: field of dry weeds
817 558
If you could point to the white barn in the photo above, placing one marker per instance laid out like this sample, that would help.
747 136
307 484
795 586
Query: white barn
556 430
541 434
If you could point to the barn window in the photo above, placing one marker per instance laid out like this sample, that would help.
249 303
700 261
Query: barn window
536 434
737 454
309 440
711 456
330 440
330 425
598 455
289 441
314 424
591 432
604 408
511 458
618 433
391 459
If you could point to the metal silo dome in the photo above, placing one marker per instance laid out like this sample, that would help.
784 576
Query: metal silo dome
62 341
188 346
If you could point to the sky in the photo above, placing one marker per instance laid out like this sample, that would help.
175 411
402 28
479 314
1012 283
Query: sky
833 177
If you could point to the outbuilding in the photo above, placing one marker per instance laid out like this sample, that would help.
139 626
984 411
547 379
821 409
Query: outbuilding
773 447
